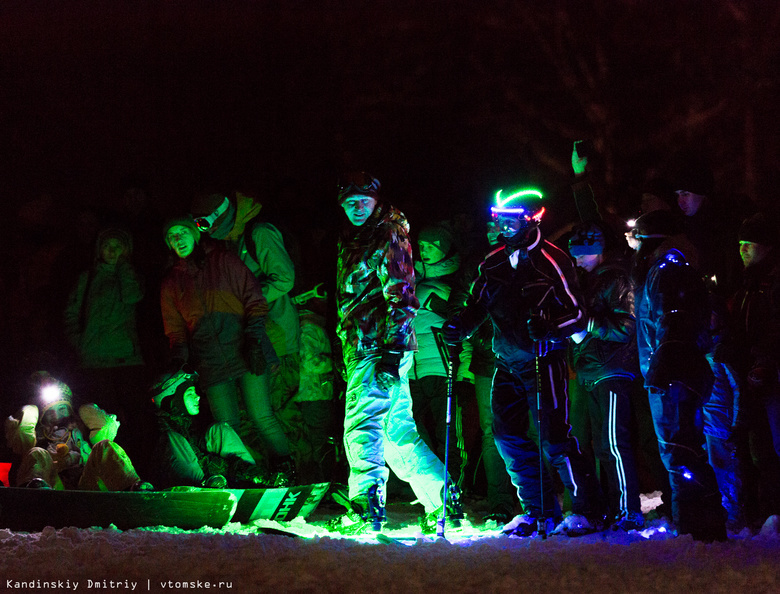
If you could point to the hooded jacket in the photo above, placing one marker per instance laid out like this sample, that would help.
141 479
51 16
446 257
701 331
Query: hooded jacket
100 315
375 294
261 247
544 282
435 284
209 310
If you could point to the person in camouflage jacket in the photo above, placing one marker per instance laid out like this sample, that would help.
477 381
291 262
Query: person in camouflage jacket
376 308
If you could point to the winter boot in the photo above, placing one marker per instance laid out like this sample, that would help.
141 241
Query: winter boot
366 514
527 526
215 481
629 521
578 525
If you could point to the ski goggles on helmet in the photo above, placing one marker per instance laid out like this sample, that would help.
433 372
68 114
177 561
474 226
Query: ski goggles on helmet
359 182
205 223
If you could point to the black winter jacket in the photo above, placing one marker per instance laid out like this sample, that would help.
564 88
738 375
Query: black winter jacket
609 350
544 282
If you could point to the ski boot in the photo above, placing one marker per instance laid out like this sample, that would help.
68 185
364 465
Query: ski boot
528 526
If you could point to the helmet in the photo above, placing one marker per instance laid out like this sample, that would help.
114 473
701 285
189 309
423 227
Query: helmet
519 203
587 240
170 385
518 214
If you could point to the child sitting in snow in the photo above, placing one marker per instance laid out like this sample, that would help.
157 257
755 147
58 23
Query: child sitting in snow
216 459
54 450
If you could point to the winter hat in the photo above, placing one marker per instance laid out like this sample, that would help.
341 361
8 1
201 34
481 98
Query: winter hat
172 385
587 240
693 174
357 183
184 221
50 391
659 223
663 190
758 229
439 236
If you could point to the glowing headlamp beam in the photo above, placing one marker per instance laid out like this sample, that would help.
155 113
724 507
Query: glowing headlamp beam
50 393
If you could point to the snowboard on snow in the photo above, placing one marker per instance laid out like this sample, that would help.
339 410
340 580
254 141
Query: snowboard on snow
279 504
32 510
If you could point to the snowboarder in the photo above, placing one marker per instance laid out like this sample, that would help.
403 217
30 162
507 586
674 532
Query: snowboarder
376 308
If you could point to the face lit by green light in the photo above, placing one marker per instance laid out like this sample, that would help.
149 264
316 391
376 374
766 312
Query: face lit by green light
430 253
191 401
181 240
358 208
111 250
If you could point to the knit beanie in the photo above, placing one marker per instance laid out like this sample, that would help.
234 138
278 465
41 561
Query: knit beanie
114 233
659 223
693 174
50 391
439 236
758 229
183 221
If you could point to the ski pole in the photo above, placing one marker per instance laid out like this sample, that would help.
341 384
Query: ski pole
541 523
452 352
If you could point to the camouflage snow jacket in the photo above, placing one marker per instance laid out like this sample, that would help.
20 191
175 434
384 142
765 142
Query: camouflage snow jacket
375 286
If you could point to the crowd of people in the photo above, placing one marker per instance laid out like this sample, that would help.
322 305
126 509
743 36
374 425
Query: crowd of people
577 368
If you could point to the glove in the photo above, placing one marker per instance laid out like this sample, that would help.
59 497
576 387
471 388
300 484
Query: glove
387 370
451 330
538 327
255 357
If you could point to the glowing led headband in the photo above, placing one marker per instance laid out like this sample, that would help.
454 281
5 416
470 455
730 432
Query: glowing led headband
513 204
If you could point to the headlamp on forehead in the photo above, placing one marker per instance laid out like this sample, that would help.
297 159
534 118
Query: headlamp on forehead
50 393
520 203
205 223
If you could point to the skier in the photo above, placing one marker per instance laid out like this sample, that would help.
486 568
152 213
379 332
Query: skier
528 288
217 458
376 308
60 449
673 324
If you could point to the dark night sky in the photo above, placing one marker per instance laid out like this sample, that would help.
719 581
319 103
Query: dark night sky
443 101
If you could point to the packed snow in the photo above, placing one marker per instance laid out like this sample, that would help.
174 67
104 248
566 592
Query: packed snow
245 559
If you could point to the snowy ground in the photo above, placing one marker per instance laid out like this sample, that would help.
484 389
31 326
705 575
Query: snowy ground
240 558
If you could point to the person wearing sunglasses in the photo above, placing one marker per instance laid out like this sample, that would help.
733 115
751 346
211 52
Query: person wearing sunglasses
376 306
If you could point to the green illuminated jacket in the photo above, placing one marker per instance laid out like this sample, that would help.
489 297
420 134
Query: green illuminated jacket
375 286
